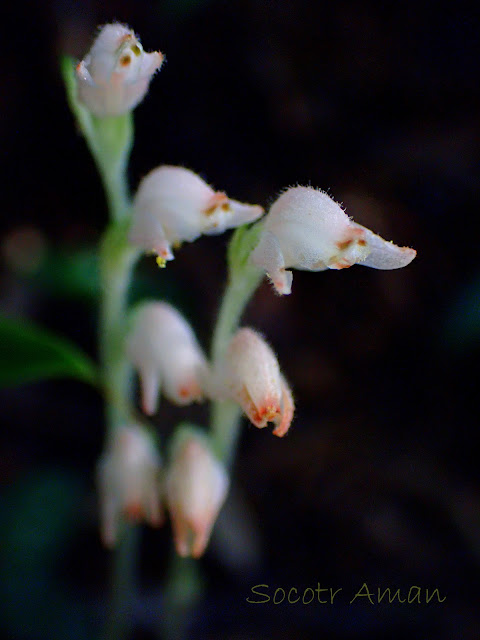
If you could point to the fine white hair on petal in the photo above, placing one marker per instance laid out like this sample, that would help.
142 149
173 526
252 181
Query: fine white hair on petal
114 76
163 348
306 229
175 205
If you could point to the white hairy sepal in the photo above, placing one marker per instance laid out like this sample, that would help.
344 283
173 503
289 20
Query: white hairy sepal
306 229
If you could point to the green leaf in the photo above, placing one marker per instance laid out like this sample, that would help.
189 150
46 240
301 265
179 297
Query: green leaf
28 354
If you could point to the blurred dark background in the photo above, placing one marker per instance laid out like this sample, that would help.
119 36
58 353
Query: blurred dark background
377 482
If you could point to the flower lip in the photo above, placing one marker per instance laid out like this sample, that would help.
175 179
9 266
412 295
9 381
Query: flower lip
306 229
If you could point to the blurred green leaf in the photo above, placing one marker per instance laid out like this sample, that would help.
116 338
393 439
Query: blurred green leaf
71 274
39 517
28 354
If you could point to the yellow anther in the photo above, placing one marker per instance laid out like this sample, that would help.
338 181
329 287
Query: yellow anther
161 262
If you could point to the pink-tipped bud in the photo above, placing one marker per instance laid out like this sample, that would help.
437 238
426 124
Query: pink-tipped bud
250 375
306 229
174 205
129 481
197 485
164 350
114 76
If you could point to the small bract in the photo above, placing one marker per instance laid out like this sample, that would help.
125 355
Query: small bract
306 229
174 205
114 76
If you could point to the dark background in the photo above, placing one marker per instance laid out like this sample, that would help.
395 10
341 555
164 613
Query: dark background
377 482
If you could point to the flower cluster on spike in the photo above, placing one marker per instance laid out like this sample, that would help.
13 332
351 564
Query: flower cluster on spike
196 488
114 76
306 229
129 481
174 205
163 349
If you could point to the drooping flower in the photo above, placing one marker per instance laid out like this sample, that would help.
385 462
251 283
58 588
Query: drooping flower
196 485
164 350
129 481
306 229
250 375
114 76
174 205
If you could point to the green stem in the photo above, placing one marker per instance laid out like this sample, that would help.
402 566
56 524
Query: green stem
225 415
183 589
119 619
117 262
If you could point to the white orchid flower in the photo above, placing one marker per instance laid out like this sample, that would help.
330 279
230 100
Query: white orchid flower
164 350
174 205
129 481
306 229
114 76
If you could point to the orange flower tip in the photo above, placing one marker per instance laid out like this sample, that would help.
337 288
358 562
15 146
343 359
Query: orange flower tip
157 520
134 512
342 264
282 429
191 392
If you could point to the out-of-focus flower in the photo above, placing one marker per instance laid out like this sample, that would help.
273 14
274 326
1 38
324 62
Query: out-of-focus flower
306 229
115 74
197 485
250 375
129 481
174 205
164 350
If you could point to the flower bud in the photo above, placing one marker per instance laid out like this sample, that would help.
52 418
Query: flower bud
174 205
129 481
164 350
250 375
114 76
306 229
197 485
